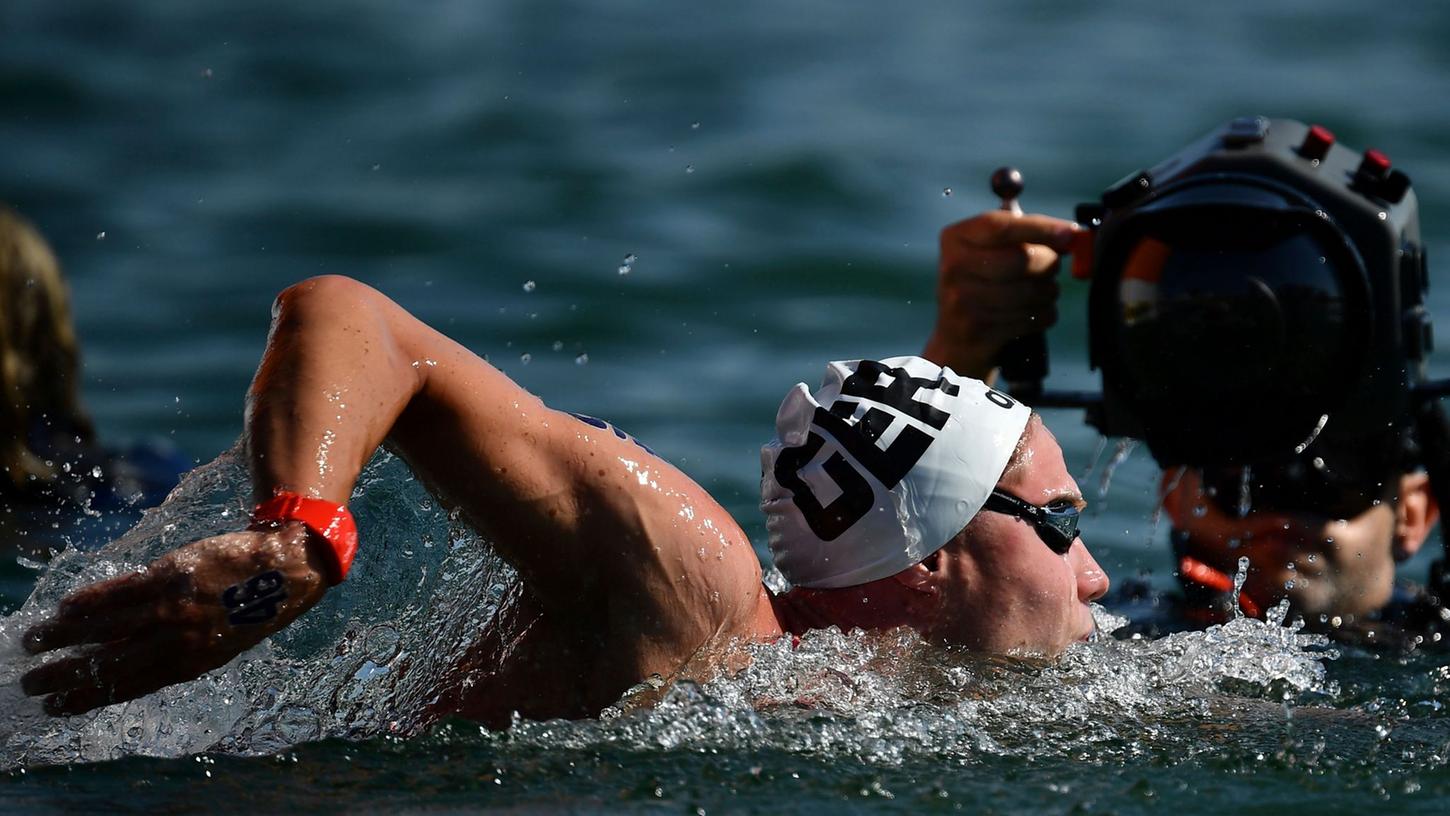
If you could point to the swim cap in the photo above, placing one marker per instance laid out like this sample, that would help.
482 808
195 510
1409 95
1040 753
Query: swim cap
880 467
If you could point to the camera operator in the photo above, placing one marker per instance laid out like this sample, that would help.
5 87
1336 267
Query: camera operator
1332 556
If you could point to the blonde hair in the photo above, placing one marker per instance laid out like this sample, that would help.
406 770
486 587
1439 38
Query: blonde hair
39 356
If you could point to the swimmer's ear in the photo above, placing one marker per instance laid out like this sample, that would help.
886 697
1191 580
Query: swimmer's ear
920 577
1415 515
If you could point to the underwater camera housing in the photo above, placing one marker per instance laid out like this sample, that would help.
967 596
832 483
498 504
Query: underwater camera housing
1259 289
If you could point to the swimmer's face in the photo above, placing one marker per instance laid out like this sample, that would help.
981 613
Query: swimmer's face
1001 589
1324 566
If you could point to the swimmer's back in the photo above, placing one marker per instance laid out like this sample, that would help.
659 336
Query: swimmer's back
665 585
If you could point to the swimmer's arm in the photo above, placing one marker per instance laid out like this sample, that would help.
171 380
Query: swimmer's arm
346 369
608 538
996 281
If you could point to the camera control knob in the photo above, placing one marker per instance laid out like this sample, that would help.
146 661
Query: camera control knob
1316 143
1245 131
1007 185
1374 166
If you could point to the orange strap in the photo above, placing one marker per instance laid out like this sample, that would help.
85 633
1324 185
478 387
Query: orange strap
333 522
1202 574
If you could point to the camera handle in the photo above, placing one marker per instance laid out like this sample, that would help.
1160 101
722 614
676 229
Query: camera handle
1022 362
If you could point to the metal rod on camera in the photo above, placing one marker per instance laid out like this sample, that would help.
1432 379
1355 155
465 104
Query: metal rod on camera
1067 399
1022 362
1433 389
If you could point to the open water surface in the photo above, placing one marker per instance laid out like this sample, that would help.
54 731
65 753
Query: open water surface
664 215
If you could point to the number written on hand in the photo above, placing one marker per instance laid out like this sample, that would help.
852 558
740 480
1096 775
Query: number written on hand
256 600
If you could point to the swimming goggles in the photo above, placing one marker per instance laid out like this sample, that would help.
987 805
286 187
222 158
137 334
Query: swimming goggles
1056 524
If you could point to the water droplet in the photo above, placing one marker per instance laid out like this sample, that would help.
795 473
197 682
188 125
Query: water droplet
558 345
526 358
101 236
689 168
694 126
297 724
946 192
96 472
382 643
582 359
529 286
627 265
1124 449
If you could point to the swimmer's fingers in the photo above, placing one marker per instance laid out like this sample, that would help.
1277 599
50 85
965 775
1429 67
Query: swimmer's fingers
999 228
59 633
109 674
96 613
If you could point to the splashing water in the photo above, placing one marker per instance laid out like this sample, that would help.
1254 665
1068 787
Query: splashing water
1313 435
364 661
367 662
1124 449
888 697
1099 447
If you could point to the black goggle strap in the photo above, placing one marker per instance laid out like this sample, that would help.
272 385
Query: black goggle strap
1056 527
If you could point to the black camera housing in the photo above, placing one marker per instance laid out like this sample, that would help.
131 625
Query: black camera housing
1291 302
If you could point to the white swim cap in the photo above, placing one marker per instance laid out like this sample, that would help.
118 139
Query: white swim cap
881 467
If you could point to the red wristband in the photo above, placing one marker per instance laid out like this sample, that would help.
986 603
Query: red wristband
327 519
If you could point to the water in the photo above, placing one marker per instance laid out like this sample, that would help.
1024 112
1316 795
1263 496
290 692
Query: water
872 711
188 160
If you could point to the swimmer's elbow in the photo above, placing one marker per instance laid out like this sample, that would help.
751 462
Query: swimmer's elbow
339 319
325 305
322 294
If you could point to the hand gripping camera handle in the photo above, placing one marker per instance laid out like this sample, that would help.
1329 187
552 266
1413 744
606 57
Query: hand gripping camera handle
1022 362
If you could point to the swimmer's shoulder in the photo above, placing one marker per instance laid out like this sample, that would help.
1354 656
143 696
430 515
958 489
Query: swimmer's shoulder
680 569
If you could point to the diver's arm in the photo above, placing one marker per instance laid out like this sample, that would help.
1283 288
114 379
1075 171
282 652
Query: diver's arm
996 282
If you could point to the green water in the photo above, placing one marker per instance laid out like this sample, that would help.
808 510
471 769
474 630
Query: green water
780 171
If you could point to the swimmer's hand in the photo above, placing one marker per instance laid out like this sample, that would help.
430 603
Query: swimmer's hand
190 611
996 282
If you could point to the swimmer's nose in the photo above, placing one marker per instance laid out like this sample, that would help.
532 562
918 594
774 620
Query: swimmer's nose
1092 581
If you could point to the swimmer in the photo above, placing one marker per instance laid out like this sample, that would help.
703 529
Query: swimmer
52 466
997 282
898 494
